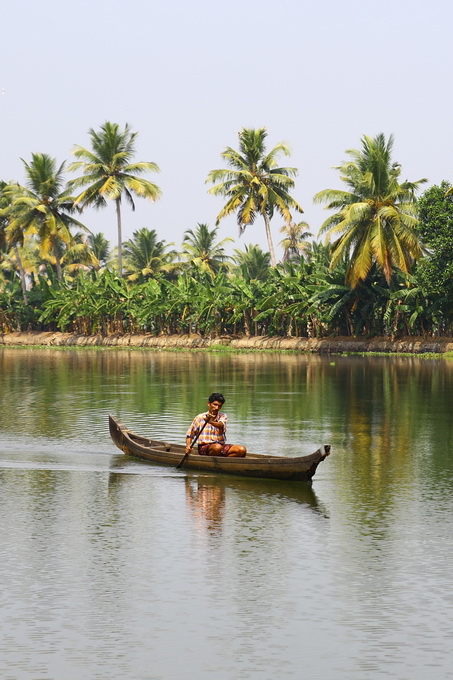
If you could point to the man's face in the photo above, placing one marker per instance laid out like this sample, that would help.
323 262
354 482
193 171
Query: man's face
214 406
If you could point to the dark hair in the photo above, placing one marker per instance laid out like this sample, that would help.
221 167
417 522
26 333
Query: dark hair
216 396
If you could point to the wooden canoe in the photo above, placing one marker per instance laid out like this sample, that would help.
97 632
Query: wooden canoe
301 468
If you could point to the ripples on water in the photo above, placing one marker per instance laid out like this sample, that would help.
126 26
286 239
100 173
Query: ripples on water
116 569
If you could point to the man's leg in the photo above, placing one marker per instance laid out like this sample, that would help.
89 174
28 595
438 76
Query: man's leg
214 450
237 451
234 451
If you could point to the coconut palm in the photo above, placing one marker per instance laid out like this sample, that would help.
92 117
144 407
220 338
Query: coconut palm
4 203
11 242
375 221
44 207
78 256
200 248
100 248
253 263
254 184
145 256
295 244
109 173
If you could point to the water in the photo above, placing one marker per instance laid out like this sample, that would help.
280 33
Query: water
112 568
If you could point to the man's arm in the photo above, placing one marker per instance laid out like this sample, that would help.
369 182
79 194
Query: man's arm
192 432
190 435
219 421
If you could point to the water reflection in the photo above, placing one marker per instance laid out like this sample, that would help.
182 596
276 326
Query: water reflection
206 503
351 574
366 403
388 418
206 493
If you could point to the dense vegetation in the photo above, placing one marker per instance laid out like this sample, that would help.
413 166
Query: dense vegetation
385 269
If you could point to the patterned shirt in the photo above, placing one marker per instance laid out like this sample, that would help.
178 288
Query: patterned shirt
210 433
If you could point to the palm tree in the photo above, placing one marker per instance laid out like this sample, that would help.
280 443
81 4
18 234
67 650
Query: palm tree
22 259
145 256
4 203
254 184
10 258
376 219
109 173
295 244
100 248
253 263
78 256
11 241
43 208
200 248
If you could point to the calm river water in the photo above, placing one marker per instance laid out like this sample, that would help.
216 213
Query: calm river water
115 569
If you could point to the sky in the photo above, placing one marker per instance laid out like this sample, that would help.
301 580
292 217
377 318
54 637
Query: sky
188 76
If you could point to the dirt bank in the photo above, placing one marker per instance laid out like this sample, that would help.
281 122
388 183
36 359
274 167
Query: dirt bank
337 345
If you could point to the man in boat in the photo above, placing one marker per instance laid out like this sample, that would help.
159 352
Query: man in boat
209 430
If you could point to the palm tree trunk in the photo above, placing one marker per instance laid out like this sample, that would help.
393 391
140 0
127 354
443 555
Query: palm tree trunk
120 237
56 250
246 324
269 239
23 282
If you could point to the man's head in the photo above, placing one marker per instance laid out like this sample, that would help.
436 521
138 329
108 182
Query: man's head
216 396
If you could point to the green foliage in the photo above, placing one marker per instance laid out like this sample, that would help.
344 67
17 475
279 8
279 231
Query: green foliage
363 286
295 244
303 299
109 173
201 249
100 248
44 208
145 256
18 315
254 183
435 271
375 221
252 263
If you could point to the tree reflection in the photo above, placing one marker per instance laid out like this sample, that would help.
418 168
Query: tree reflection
388 418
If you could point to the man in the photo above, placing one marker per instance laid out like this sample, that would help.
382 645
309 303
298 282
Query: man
212 440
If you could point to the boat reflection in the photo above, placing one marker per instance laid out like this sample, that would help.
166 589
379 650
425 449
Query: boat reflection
206 494
207 497
259 489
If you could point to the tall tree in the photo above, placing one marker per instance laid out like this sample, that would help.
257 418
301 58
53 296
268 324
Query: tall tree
109 173
375 221
44 207
435 272
4 203
254 183
12 240
201 248
145 256
295 244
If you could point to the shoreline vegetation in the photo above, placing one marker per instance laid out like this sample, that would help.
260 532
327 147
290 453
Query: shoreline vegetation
384 271
334 345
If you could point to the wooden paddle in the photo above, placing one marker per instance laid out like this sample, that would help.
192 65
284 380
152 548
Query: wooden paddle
184 458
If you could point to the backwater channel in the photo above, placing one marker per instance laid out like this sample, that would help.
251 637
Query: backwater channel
112 568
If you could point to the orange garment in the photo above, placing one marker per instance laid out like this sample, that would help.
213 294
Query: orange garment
210 434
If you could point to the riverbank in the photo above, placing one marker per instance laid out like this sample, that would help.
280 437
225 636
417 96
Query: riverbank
338 345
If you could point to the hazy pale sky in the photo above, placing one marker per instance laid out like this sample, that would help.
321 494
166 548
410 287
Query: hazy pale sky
189 75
